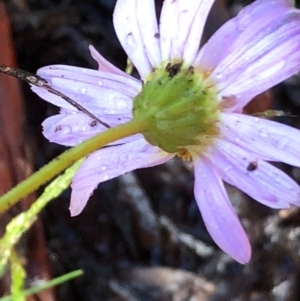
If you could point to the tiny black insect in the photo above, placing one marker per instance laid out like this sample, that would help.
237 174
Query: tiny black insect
252 166
173 69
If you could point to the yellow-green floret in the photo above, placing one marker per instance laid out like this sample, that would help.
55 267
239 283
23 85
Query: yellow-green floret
182 107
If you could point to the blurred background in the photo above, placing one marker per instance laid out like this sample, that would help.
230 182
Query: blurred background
141 237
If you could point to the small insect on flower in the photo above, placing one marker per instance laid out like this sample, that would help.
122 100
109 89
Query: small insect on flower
192 100
252 166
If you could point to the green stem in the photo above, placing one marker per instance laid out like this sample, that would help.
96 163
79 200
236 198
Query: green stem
47 285
68 158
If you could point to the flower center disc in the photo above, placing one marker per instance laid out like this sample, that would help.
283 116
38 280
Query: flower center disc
182 107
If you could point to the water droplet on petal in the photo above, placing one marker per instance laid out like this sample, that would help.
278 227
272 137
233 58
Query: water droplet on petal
82 90
65 129
276 177
242 25
120 103
264 132
103 168
105 177
100 83
282 142
227 168
75 141
237 124
219 76
131 41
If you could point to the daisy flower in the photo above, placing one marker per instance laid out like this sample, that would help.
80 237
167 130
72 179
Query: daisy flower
193 99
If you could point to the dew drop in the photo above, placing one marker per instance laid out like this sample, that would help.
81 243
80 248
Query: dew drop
74 141
243 25
100 83
263 132
105 177
282 142
82 90
93 123
103 168
227 168
131 41
276 176
65 129
120 104
207 191
237 124
219 76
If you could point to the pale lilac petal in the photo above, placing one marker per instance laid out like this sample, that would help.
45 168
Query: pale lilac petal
99 92
134 40
109 163
265 183
147 23
237 31
165 30
217 212
192 42
181 26
71 128
104 65
267 58
268 139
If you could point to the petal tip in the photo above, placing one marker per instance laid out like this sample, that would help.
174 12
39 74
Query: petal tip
242 253
245 257
74 210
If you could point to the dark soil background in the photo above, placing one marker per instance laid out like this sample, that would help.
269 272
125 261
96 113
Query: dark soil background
141 237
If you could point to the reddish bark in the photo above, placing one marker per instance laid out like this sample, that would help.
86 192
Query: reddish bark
15 162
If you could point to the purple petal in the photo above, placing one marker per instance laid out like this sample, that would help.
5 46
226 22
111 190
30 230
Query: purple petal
259 179
234 33
270 140
109 163
136 27
149 29
167 15
260 62
217 212
99 92
181 27
104 65
71 128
